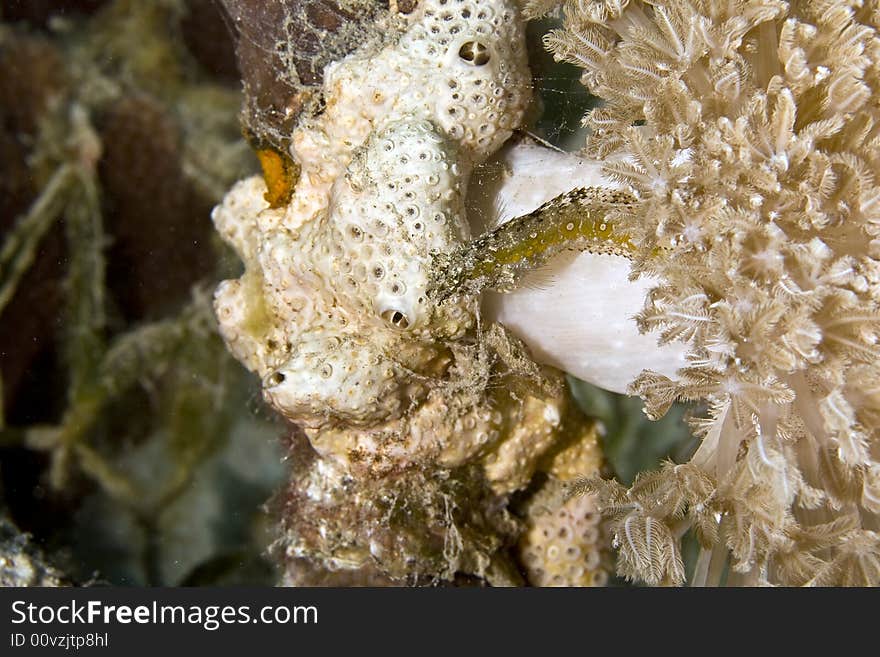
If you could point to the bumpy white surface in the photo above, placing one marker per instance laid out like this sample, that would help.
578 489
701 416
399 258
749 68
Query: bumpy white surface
562 546
331 310
576 313
410 213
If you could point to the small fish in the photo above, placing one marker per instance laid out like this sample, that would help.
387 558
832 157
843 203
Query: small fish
578 220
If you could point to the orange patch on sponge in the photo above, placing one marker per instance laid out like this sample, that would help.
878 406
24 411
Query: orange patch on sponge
281 174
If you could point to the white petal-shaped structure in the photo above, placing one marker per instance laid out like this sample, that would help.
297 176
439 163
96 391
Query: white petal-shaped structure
577 312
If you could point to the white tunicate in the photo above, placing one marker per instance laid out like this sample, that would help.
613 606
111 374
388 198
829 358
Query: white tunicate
577 312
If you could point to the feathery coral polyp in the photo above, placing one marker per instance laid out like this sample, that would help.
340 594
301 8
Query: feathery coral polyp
749 133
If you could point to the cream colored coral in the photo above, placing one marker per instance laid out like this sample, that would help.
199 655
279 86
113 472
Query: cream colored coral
332 310
562 544
748 132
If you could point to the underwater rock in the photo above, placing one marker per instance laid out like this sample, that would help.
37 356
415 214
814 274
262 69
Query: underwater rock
282 48
331 311
22 563
422 420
